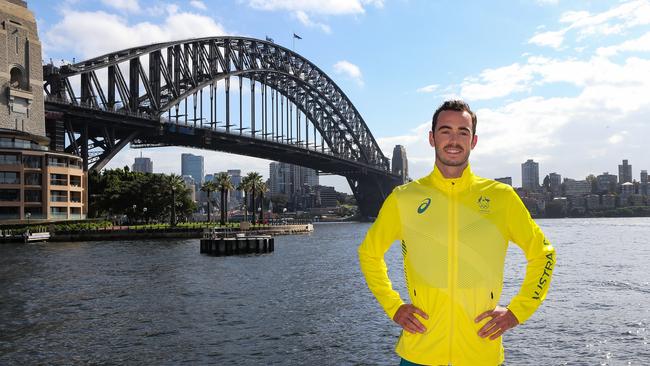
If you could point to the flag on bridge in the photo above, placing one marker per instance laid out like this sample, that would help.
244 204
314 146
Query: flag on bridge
296 36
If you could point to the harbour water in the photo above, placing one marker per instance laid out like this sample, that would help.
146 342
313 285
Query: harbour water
161 302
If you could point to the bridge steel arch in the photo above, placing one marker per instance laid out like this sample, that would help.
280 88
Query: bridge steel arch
149 107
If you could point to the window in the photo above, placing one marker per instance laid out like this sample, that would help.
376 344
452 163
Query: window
58 196
75 163
33 179
56 161
59 212
9 213
34 212
9 159
9 195
58 179
75 181
75 197
32 195
31 161
75 213
9 178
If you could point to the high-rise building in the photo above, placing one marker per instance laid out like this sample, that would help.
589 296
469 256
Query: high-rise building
506 180
576 188
235 178
142 165
644 187
38 180
530 175
624 172
191 185
294 181
192 165
606 183
400 163
555 182
644 176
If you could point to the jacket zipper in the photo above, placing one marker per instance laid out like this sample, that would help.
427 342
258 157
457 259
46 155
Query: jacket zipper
452 266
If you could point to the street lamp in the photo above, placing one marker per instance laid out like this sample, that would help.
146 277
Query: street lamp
134 208
144 213
28 215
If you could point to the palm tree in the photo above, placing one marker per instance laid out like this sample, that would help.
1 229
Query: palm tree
224 185
209 187
175 184
245 186
263 188
255 182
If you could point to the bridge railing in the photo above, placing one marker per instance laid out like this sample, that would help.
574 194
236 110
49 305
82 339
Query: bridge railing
164 120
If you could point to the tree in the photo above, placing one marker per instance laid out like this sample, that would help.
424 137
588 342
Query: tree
593 181
209 187
224 185
263 188
176 185
245 186
255 186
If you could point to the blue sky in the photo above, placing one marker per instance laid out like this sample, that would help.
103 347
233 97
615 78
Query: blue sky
564 83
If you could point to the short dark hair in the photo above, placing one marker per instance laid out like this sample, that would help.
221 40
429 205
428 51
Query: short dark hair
454 105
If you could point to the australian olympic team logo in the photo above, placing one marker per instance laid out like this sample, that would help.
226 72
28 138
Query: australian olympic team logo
424 205
483 203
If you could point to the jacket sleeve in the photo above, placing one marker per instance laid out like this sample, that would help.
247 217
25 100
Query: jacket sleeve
381 235
540 255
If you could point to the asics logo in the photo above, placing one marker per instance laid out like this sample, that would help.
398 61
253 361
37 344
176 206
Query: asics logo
424 205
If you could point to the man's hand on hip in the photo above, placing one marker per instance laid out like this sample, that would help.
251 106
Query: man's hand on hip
405 317
502 320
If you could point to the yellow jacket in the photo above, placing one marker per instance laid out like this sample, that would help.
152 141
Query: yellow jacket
454 235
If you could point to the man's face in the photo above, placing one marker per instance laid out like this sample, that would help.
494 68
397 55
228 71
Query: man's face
453 139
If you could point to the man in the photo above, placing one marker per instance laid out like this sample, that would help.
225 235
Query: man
454 229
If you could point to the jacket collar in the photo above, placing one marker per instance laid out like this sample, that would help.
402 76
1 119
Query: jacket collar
436 179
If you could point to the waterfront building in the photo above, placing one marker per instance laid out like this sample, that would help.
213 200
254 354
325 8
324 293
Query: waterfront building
555 183
576 187
37 182
192 165
505 180
606 183
608 201
636 200
530 175
644 176
643 187
142 165
326 196
400 163
592 201
624 172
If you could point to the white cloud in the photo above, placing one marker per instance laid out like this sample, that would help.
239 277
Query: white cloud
428 89
552 39
495 83
89 34
124 5
350 70
616 138
616 20
198 4
307 21
641 44
330 7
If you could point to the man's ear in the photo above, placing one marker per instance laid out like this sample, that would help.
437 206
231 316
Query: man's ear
474 141
431 141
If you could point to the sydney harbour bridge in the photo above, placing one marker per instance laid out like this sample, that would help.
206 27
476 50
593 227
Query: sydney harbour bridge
233 94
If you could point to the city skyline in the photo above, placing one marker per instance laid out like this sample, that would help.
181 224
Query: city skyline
565 86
